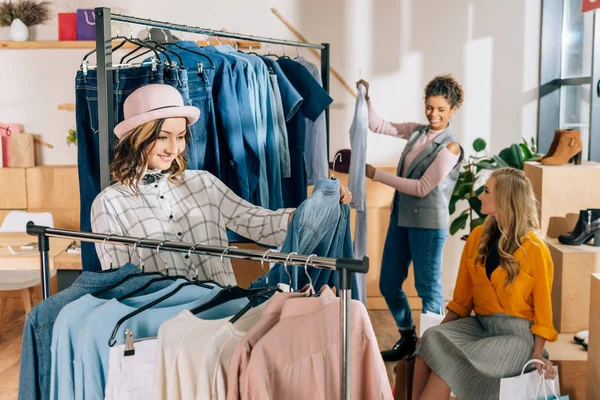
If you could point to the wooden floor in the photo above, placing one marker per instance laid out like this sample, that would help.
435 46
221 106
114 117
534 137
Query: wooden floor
12 329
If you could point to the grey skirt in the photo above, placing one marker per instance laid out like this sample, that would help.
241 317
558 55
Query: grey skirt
472 354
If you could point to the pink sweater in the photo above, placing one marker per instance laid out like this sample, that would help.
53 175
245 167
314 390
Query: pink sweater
441 166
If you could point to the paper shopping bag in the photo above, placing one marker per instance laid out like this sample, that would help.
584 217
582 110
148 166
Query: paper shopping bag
404 376
429 320
86 25
530 386
22 151
6 130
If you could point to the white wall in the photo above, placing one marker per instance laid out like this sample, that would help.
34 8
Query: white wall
490 46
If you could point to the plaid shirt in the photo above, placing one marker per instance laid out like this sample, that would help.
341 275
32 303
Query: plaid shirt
196 211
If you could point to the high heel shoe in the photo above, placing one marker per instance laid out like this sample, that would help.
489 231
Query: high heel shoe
568 148
588 227
553 146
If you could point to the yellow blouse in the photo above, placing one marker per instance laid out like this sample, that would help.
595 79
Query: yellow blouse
529 296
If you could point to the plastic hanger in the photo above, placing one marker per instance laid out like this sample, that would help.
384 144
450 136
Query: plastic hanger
267 290
125 279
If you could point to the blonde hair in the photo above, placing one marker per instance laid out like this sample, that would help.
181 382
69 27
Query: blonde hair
516 215
131 155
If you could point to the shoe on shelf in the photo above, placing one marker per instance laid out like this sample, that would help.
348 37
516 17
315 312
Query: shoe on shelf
553 146
581 336
568 148
404 348
588 227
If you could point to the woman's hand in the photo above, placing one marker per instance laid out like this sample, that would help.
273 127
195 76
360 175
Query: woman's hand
366 87
345 195
370 171
546 369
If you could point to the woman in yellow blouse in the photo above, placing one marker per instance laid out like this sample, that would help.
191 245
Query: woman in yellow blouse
505 277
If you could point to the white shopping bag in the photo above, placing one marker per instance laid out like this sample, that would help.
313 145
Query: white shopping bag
429 319
530 386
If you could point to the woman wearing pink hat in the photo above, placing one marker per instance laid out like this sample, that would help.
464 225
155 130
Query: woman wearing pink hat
156 197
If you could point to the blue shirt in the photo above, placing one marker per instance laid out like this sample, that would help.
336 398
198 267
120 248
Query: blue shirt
316 100
34 376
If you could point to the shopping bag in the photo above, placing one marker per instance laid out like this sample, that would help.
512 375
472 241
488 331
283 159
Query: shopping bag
404 377
86 25
22 151
530 386
6 130
67 26
429 320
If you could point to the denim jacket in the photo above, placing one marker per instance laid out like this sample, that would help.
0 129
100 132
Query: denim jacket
34 378
321 226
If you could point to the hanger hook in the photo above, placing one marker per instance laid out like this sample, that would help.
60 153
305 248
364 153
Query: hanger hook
139 254
165 33
334 161
206 38
149 34
104 251
130 31
227 250
161 257
219 41
297 52
283 49
262 265
311 287
115 25
190 256
285 267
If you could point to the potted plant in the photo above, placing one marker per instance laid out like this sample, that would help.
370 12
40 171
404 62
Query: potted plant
21 15
72 137
470 185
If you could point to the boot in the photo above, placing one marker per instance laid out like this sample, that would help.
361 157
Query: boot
588 227
404 348
568 148
553 146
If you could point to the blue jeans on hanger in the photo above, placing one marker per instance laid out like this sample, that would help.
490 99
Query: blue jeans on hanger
423 247
125 81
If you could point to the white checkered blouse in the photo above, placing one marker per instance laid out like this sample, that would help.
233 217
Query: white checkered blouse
197 211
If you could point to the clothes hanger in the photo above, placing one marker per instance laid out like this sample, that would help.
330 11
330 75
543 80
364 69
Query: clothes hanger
197 272
334 161
227 294
267 290
162 277
311 288
125 279
200 65
283 50
155 45
104 251
285 268
112 341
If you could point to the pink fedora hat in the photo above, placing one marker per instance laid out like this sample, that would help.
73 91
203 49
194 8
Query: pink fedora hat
152 102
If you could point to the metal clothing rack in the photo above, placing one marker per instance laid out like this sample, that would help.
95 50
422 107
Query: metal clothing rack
345 266
105 72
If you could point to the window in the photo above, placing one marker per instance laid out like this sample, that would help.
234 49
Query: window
569 75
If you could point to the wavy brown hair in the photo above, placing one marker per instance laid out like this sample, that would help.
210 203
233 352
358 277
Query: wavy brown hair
131 155
517 214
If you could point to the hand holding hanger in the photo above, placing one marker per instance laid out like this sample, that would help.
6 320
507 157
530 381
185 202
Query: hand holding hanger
366 85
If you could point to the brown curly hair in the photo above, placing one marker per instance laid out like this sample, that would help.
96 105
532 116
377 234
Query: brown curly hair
131 155
448 87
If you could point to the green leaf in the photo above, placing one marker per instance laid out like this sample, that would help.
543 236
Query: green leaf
475 204
480 190
458 224
500 162
526 151
485 165
476 222
452 206
479 144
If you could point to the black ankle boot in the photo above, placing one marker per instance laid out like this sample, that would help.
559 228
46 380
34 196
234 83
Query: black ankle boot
588 227
405 347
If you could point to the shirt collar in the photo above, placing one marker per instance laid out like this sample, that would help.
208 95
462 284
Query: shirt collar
102 279
301 306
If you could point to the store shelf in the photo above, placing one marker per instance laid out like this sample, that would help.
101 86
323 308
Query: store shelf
89 44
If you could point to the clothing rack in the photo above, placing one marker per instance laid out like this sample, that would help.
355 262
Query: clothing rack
345 266
105 72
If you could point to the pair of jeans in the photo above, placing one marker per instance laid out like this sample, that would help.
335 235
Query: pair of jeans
34 377
203 149
423 247
321 226
125 81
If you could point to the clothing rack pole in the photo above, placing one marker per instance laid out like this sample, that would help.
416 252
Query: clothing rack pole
105 93
325 72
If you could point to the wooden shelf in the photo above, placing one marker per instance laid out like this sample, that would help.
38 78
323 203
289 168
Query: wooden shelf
90 44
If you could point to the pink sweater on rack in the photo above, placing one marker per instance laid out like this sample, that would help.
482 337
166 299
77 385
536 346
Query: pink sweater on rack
441 166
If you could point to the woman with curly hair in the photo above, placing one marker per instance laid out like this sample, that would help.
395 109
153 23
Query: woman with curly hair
505 277
157 198
426 175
